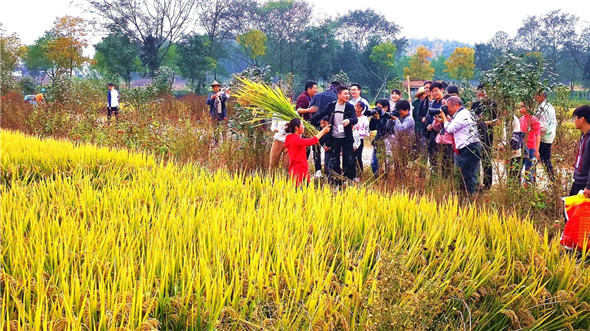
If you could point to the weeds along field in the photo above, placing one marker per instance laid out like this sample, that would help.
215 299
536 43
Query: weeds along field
109 239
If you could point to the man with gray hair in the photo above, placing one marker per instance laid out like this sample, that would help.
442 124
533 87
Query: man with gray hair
466 138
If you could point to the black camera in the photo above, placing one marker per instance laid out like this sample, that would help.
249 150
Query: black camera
436 111
395 113
372 112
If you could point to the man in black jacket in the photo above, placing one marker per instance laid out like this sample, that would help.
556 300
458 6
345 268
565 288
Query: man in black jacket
378 123
486 115
318 102
342 118
582 165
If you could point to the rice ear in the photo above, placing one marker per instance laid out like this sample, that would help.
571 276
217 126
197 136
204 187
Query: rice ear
267 102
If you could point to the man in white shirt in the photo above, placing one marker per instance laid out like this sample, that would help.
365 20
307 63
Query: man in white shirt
355 95
113 102
466 138
546 115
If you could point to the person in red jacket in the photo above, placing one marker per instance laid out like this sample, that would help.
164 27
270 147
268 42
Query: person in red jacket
298 167
531 127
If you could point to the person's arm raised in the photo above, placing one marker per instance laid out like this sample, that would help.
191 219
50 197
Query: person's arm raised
325 130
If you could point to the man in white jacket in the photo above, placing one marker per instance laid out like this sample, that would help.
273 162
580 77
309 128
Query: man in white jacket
113 101
546 115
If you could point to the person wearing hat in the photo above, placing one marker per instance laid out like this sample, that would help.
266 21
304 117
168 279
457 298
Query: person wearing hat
419 96
216 102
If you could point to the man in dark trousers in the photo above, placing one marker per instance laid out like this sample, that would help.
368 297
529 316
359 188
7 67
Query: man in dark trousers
546 115
582 162
466 138
216 102
113 102
342 118
303 109
318 102
436 94
486 115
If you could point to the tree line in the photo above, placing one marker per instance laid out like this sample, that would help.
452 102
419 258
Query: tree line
204 40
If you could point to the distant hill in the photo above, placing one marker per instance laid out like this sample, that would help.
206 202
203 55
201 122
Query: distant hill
437 46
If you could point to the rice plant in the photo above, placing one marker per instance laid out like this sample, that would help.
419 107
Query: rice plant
107 239
267 102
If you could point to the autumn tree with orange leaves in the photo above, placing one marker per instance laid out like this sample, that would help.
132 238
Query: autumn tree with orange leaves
420 68
65 47
461 63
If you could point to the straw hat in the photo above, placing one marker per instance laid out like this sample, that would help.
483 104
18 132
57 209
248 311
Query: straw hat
215 83
420 91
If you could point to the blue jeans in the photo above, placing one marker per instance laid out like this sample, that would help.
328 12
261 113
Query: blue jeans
529 166
374 161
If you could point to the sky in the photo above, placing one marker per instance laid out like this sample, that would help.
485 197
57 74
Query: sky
461 20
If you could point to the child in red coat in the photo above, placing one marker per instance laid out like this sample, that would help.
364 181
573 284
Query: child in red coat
298 167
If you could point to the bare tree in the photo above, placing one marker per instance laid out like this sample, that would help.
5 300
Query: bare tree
360 26
285 22
558 29
223 20
502 42
528 35
153 24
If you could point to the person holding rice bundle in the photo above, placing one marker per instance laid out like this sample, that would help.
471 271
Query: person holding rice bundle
296 145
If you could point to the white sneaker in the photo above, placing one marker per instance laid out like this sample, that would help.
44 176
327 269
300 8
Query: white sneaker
318 174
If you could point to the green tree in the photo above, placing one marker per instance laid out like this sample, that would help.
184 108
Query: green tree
253 44
153 24
460 64
320 50
11 51
558 29
438 64
502 43
383 57
193 62
284 23
171 60
37 60
517 78
360 26
420 65
116 57
484 57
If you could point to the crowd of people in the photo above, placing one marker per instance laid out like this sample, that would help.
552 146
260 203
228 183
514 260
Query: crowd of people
434 125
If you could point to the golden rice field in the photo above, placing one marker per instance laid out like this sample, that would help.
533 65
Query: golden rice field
98 239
